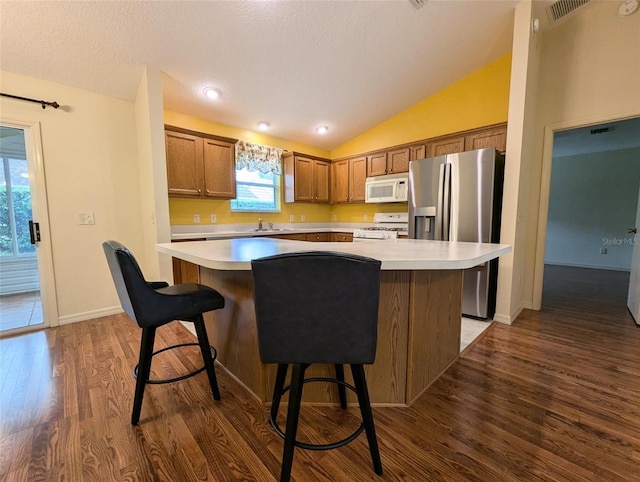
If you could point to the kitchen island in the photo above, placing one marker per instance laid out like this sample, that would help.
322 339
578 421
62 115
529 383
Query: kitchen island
418 321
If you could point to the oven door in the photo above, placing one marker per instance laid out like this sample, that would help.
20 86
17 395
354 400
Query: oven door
374 236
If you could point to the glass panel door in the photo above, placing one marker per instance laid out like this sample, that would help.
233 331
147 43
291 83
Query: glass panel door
20 304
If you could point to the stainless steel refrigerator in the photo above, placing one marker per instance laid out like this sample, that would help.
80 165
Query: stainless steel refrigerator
458 197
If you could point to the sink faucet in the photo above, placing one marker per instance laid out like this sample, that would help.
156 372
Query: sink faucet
270 226
259 224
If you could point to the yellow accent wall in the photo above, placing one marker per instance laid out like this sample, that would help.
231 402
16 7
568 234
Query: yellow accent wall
181 210
477 100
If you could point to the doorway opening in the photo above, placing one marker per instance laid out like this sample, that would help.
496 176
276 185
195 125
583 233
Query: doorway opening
592 212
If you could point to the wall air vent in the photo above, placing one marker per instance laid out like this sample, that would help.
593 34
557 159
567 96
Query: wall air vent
562 8
418 3
600 130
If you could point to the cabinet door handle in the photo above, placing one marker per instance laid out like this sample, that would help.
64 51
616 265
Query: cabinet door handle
199 191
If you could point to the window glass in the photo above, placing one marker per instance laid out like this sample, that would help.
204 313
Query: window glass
256 191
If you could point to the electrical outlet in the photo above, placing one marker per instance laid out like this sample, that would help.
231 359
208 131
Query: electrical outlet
365 218
292 218
86 218
603 250
196 218
214 219
335 217
302 218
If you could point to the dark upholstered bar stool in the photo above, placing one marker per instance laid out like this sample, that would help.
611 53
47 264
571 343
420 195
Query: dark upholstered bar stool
317 307
153 304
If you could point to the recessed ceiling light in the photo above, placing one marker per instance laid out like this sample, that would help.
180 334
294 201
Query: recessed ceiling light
212 93
322 130
263 126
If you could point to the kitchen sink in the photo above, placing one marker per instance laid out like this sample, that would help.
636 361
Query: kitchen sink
267 230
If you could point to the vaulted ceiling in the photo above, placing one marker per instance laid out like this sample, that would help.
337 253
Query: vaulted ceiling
296 64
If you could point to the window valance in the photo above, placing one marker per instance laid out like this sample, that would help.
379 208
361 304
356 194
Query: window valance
255 157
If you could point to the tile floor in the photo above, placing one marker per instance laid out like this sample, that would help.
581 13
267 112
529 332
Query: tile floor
471 329
19 310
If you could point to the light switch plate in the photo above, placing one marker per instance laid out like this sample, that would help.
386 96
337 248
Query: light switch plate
214 219
303 218
86 218
196 218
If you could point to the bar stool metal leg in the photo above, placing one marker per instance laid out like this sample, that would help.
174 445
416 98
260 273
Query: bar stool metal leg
203 341
278 387
295 397
342 391
144 368
367 417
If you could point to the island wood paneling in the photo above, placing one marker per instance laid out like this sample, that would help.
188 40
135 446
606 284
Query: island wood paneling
434 327
233 332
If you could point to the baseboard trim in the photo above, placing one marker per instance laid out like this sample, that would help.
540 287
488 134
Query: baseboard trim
88 315
588 266
508 319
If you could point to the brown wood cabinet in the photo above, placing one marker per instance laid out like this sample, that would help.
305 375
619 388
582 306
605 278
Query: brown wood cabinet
316 236
184 271
398 160
200 165
341 237
306 178
348 179
417 152
394 161
496 137
377 164
445 145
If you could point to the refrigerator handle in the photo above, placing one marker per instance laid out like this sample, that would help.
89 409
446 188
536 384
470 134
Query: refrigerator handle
446 211
439 207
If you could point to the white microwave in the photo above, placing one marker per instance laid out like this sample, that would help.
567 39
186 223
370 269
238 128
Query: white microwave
392 188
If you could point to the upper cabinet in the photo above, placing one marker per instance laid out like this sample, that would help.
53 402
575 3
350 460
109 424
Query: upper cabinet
445 145
492 137
398 161
200 165
388 162
348 179
418 151
306 178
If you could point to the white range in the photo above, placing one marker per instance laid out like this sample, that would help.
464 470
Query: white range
385 226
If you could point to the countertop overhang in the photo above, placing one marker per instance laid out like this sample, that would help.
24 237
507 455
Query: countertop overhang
397 254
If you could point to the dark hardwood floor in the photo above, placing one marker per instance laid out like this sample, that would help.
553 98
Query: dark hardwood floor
556 396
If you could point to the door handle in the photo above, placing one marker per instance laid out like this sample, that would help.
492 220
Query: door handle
632 230
34 232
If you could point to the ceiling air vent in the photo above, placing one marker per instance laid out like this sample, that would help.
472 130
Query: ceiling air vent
562 8
418 3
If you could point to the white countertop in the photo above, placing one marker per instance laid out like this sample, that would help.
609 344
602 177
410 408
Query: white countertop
396 254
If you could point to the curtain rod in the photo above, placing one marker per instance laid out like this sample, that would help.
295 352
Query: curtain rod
43 103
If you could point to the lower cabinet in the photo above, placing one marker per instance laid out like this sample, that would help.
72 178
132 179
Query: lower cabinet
183 271
316 236
341 237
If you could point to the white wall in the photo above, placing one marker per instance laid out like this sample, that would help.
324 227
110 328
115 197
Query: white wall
91 162
522 118
592 203
153 175
590 72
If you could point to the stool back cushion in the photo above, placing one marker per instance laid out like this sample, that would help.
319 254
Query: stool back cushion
123 264
316 307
